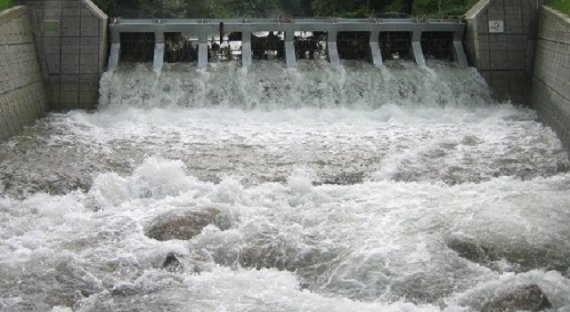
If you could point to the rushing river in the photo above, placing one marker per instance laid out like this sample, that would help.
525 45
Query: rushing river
403 188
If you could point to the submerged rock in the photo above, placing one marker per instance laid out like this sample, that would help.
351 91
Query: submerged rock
522 257
183 224
171 263
525 298
470 250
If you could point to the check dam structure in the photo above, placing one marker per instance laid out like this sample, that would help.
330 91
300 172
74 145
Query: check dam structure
376 31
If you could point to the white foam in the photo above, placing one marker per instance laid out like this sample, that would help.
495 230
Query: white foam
418 157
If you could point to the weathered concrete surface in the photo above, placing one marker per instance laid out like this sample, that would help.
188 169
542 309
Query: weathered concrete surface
504 57
551 78
22 96
71 40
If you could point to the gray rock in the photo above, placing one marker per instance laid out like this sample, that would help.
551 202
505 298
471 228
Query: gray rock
523 256
521 298
181 224
171 263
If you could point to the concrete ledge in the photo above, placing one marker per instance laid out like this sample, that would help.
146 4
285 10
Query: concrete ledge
477 9
556 14
94 9
12 13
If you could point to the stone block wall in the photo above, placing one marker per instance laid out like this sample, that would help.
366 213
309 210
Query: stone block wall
499 40
551 78
71 38
22 96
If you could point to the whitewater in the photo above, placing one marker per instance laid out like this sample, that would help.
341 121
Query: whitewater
351 188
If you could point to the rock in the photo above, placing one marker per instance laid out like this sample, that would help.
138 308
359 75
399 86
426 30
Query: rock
171 263
522 256
525 298
67 284
470 250
124 290
181 224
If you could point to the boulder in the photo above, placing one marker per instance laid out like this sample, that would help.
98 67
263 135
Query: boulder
520 298
521 255
471 250
171 263
181 224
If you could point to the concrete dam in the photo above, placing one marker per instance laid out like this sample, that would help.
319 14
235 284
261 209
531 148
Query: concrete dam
450 31
284 164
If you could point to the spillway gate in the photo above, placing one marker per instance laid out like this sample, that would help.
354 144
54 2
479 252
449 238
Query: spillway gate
374 29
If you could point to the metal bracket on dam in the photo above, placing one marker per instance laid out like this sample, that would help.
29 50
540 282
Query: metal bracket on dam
203 28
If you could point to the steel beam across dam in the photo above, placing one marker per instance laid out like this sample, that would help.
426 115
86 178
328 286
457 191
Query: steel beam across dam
332 26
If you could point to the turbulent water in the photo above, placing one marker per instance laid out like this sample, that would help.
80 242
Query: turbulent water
350 188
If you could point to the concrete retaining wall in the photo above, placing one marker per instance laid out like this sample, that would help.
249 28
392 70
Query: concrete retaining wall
71 38
551 78
22 96
500 41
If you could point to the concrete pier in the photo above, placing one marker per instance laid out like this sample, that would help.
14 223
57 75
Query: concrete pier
375 48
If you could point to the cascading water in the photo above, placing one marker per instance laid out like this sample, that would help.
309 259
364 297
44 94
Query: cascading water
403 188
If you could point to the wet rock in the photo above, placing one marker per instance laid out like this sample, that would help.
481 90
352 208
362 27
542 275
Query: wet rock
67 284
521 256
525 298
181 224
124 290
470 250
348 178
75 279
171 263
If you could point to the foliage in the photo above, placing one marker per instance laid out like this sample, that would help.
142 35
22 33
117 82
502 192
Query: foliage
561 5
4 4
442 7
275 8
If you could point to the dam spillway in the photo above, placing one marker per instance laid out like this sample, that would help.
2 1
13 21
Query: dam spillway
203 29
287 184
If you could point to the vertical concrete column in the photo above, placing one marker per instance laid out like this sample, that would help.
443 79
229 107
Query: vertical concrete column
203 50
417 47
332 49
246 48
375 48
290 48
158 60
115 51
458 52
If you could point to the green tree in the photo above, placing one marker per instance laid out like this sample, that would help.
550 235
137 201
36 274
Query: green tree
4 4
562 5
274 8
442 7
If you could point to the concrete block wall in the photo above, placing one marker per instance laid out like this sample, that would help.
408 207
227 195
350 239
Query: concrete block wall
71 38
499 40
551 77
22 96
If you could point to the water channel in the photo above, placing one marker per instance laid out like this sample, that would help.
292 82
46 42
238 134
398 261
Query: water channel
352 188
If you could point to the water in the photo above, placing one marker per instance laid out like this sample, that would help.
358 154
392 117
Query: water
336 189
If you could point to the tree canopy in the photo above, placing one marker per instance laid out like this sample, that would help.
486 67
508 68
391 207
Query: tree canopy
275 8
